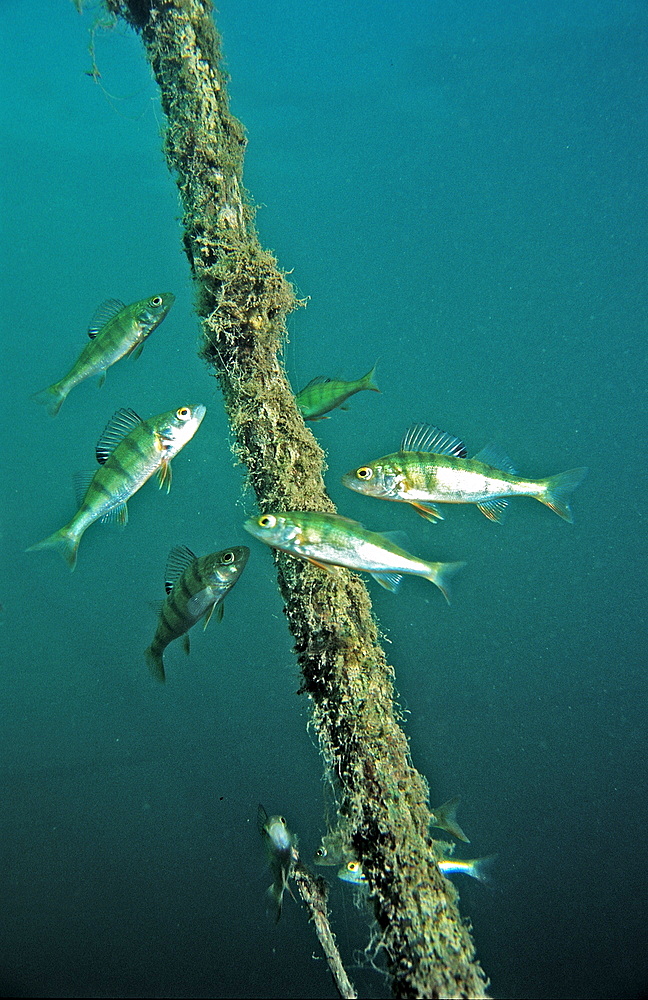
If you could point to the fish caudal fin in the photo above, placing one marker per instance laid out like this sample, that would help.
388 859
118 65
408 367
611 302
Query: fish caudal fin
441 574
52 398
482 869
63 541
557 489
368 380
155 664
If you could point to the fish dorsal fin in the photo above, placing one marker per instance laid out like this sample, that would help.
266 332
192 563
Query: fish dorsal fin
104 313
82 481
118 427
427 437
318 380
179 558
399 538
346 520
497 458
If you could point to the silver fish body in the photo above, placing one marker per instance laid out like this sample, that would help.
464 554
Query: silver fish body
331 540
196 587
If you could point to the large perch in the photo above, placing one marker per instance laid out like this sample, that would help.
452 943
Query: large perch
243 299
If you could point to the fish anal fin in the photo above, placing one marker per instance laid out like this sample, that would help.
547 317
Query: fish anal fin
494 510
186 644
116 515
390 581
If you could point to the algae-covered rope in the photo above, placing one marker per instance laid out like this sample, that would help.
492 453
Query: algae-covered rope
243 299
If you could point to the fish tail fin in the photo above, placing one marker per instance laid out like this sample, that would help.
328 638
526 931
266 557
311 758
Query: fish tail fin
368 380
482 869
275 893
65 541
556 490
52 398
441 574
445 818
155 664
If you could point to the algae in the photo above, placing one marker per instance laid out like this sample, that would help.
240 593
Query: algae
243 298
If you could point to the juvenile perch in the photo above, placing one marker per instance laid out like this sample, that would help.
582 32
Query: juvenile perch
243 299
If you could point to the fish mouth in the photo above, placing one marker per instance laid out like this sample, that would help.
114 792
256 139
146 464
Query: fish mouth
199 412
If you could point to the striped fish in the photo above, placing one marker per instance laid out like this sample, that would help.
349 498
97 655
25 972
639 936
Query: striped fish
331 540
432 467
323 394
115 330
196 587
129 451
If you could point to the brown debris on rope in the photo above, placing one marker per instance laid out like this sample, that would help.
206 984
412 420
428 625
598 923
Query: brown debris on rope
243 299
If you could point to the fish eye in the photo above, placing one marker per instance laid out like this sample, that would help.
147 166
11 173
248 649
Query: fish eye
282 820
321 852
157 301
267 521
227 557
353 867
183 413
364 473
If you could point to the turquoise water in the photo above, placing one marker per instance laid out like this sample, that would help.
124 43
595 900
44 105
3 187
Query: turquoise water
459 189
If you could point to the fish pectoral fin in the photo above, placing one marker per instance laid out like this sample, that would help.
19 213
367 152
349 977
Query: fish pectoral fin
390 581
494 510
185 643
101 380
219 609
116 515
427 510
156 606
136 350
164 475
200 602
320 565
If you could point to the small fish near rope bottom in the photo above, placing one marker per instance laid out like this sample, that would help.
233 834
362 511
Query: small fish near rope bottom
129 452
432 467
327 540
196 587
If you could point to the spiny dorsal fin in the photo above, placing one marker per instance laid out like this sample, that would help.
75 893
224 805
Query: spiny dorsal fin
179 558
118 427
426 437
103 314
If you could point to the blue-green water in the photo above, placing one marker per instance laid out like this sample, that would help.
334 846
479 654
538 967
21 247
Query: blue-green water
459 189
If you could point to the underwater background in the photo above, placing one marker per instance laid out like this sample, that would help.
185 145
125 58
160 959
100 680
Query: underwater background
458 189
